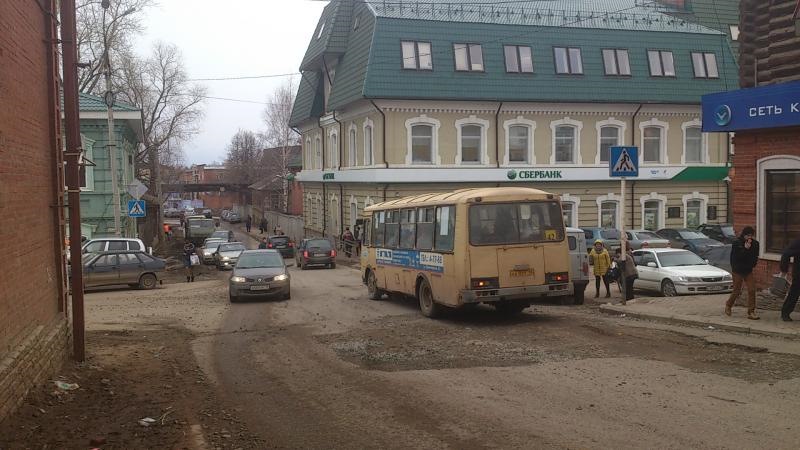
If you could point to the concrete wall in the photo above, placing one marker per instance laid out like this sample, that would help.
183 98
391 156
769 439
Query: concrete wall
33 324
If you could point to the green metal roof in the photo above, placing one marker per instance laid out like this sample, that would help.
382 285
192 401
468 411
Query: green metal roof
89 102
334 24
716 14
308 102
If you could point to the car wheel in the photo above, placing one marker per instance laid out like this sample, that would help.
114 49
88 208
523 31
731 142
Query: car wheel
148 281
332 265
232 298
427 305
668 289
287 295
372 287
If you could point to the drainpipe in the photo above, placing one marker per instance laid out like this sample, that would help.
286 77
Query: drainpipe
728 181
383 133
338 142
385 187
341 208
633 143
497 135
324 190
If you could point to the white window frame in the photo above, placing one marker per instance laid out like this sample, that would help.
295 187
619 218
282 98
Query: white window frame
352 145
88 153
610 122
578 125
318 152
531 125
333 153
333 215
777 162
417 53
353 202
695 123
308 160
610 197
575 201
424 120
662 208
662 157
703 209
371 150
483 149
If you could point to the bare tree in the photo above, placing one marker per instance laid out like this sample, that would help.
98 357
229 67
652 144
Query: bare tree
244 160
123 21
279 136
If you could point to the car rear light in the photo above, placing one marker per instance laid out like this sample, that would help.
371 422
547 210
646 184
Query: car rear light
485 283
645 244
269 245
333 253
305 254
669 244
556 277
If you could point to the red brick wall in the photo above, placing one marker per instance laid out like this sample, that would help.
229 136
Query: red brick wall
30 290
751 146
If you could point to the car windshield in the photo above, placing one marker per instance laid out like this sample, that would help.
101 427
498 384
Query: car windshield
677 259
319 244
259 260
220 234
231 248
213 245
692 235
646 235
609 233
513 223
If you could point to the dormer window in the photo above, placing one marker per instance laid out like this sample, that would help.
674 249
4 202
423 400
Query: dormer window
616 61
416 55
469 57
321 29
568 61
705 65
661 63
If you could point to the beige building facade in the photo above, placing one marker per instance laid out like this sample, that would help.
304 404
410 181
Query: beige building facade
379 150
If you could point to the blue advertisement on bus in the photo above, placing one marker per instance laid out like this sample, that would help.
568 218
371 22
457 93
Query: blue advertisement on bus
415 259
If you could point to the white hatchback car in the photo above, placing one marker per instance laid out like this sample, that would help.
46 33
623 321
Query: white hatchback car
674 272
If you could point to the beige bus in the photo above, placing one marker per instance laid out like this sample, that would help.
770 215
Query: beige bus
501 246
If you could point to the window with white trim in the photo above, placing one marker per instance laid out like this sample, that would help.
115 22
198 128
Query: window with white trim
87 181
368 144
471 143
616 61
661 62
422 144
318 153
351 156
568 60
519 144
608 214
468 57
651 144
333 151
519 58
693 144
416 55
734 29
565 136
694 213
570 214
609 137
651 213
705 65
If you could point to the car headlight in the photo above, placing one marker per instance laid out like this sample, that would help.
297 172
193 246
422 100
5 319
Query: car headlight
238 279
281 277
225 258
727 277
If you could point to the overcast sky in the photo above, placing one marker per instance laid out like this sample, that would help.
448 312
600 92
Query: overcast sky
228 39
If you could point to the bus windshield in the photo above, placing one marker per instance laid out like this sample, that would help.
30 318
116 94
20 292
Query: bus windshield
515 223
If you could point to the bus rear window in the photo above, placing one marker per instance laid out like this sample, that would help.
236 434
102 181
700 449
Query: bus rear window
201 223
515 223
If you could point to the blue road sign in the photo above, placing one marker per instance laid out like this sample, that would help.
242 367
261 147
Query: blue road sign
623 162
136 208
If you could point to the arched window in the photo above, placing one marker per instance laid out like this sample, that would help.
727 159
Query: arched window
654 141
566 141
351 155
333 151
369 157
694 143
653 207
422 140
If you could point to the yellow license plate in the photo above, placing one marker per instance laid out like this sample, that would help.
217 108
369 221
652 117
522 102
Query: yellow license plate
522 273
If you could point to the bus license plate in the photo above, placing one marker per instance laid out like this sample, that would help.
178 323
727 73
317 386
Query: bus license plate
522 273
260 288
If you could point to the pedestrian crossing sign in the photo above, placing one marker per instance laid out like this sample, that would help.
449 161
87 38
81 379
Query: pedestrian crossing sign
136 208
623 162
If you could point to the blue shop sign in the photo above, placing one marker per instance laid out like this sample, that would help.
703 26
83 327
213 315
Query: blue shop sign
771 106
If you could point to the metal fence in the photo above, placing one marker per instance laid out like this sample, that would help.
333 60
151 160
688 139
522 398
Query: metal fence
292 226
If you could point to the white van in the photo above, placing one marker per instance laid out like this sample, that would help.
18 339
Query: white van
579 272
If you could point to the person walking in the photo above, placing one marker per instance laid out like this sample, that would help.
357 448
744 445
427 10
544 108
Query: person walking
629 273
188 251
263 244
744 257
791 253
167 231
248 223
263 225
602 262
347 240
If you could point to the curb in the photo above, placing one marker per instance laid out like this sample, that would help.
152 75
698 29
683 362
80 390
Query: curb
611 310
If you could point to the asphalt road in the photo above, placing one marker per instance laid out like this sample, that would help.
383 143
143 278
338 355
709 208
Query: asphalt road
332 369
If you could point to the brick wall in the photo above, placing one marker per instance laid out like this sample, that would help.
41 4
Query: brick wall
751 146
32 321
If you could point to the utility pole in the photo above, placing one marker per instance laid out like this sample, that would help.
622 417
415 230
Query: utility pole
73 174
112 143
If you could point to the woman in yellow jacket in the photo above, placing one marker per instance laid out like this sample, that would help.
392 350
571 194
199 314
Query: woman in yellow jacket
602 263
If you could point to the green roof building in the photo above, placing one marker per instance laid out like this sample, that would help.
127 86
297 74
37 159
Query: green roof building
400 97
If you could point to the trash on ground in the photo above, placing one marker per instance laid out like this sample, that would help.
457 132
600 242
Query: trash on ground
147 421
66 386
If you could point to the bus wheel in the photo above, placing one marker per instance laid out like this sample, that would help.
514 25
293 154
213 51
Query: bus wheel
372 287
510 308
428 307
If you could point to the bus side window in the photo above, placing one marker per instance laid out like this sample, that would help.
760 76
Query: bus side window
408 228
444 237
425 219
366 233
392 238
380 230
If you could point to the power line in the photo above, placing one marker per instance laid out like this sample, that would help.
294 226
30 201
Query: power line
246 77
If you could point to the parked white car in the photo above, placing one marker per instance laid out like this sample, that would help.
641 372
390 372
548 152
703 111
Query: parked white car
675 272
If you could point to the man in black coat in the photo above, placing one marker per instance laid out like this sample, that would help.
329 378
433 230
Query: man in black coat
744 257
793 251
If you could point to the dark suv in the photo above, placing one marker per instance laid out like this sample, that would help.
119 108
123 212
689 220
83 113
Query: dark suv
282 244
316 252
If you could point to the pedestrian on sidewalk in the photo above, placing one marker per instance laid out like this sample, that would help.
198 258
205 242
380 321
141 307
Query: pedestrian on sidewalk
263 225
629 273
188 251
744 257
602 262
248 223
263 244
348 239
792 252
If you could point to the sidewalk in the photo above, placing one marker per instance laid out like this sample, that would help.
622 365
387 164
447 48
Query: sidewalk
705 311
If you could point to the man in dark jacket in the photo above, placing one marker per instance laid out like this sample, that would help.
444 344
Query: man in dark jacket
744 257
791 252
